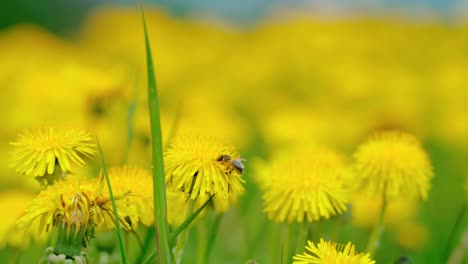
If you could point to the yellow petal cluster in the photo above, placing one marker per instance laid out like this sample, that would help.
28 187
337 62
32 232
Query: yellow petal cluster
331 253
78 203
37 151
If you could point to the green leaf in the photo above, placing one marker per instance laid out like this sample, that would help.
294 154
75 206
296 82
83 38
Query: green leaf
123 253
159 186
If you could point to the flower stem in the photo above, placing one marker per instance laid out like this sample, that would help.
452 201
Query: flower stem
453 232
212 236
285 243
374 239
201 243
302 236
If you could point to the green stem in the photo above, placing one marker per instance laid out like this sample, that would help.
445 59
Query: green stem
182 238
453 232
302 236
265 226
337 225
374 238
287 230
212 237
201 243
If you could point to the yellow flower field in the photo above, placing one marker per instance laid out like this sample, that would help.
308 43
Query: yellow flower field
304 140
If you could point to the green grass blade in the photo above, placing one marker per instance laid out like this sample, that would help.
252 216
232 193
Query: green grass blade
123 253
187 222
182 227
159 186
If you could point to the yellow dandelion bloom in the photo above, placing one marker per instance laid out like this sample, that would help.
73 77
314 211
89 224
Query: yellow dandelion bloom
77 203
198 165
139 182
331 253
38 151
395 163
306 186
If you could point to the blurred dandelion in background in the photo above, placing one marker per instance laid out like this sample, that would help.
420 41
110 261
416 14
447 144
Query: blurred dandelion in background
306 186
395 164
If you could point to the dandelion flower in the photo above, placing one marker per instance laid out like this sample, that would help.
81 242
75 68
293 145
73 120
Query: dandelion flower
395 163
77 204
139 182
198 165
38 151
308 185
331 253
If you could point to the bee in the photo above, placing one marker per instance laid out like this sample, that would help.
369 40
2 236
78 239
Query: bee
232 164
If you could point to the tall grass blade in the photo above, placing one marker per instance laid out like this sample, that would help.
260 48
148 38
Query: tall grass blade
123 252
159 186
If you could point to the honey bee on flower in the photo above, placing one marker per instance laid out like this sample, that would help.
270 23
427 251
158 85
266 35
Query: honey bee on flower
232 164
199 165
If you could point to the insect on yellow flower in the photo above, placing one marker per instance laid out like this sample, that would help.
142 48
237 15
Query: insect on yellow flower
329 252
39 151
198 165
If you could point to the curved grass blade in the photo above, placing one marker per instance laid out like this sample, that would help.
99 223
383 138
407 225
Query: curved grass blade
187 222
123 253
159 186
182 227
